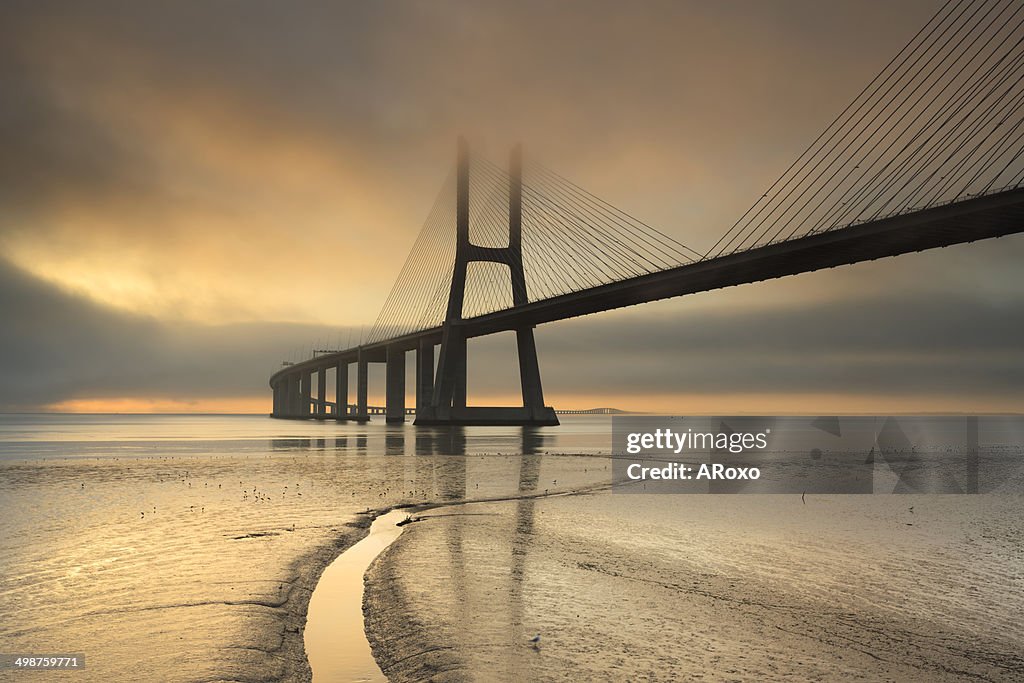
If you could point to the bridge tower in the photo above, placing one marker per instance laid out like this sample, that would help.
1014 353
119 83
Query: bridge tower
447 404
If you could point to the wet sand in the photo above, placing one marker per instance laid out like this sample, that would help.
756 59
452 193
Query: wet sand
185 560
207 584
661 587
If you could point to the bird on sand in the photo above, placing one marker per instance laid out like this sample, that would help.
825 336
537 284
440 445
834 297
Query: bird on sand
535 640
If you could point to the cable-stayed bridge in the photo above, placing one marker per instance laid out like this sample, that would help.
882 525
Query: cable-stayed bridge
929 154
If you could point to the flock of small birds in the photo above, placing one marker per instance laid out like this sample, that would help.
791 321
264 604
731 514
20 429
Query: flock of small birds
256 495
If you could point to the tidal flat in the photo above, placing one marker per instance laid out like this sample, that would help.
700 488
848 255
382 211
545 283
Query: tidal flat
185 548
689 587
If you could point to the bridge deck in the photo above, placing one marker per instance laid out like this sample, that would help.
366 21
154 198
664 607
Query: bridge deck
968 220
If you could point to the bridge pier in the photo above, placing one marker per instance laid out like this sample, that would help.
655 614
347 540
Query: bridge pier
448 403
278 393
293 396
362 386
529 378
424 374
321 393
459 360
305 396
450 385
341 391
395 382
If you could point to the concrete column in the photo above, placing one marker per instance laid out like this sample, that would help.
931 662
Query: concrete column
305 380
457 293
450 387
450 377
448 401
529 372
341 389
395 392
515 227
424 375
321 392
362 380
293 395
459 396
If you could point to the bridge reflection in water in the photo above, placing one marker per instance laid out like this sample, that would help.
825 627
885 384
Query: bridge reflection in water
442 464
418 459
443 477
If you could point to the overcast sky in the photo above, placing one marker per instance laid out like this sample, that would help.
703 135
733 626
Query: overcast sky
192 192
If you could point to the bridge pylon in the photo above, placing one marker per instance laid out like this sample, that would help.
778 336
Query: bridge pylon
447 404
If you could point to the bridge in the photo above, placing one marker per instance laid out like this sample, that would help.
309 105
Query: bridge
927 155
327 410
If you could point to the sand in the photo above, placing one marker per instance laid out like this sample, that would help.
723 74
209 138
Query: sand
659 588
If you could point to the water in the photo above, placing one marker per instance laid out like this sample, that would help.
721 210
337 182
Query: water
335 642
179 548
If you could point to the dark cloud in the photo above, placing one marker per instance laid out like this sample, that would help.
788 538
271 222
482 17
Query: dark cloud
917 344
56 346
649 102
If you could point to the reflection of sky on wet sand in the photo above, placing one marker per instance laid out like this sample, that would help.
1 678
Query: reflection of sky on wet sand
210 585
663 587
335 641
166 558
685 587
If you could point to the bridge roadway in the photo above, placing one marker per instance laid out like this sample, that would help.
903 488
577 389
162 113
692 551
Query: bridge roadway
968 220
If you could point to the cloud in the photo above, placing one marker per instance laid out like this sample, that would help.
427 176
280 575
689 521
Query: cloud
56 346
200 160
959 346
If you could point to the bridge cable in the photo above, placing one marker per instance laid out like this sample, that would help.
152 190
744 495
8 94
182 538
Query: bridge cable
835 156
844 116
